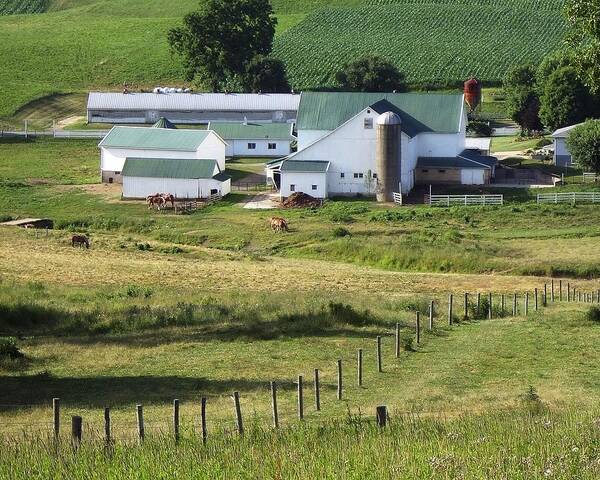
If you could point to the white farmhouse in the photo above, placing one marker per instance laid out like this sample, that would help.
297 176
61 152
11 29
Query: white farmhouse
562 156
254 139
184 178
143 142
378 143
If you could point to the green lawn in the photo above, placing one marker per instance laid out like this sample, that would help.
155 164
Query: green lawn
513 144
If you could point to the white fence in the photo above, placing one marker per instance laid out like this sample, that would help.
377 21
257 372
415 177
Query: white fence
54 133
570 197
397 198
590 177
449 200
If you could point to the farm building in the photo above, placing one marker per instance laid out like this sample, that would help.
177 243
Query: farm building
562 156
480 145
191 108
375 143
184 178
142 142
252 139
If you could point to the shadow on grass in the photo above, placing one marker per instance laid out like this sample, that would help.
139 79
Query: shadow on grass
97 392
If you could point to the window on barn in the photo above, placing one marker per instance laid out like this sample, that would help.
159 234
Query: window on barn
425 170
292 188
314 187
368 123
356 175
441 171
214 191
375 175
117 173
360 175
342 175
272 146
252 146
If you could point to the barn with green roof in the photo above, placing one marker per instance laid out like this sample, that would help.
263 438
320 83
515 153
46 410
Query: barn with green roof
378 144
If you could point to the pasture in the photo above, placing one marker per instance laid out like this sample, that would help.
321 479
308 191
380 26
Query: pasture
166 306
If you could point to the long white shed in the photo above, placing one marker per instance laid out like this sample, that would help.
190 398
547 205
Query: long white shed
255 139
183 178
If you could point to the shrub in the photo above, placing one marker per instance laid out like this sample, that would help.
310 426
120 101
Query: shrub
593 314
480 129
9 349
532 401
341 232
143 246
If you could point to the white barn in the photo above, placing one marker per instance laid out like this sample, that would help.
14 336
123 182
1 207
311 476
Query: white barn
562 156
255 139
191 108
184 178
343 130
142 142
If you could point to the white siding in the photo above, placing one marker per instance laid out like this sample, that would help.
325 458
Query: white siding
239 148
141 187
306 137
560 146
303 183
113 159
212 148
440 144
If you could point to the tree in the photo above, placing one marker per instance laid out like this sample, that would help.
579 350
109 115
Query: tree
371 74
549 64
266 75
522 100
584 145
220 40
584 40
566 100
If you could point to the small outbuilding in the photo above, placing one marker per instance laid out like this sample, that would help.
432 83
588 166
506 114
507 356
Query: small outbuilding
254 139
184 178
306 176
163 143
480 145
467 168
562 156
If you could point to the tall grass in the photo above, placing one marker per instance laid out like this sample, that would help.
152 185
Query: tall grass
515 445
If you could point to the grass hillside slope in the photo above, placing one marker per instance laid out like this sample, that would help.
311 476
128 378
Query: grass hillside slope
76 46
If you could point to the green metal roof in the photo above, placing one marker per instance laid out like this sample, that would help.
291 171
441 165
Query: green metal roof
420 112
169 168
154 138
222 177
312 166
164 123
252 130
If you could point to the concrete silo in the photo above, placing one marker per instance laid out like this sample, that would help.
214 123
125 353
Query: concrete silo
388 161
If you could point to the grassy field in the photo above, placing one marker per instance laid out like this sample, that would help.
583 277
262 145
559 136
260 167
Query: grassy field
77 46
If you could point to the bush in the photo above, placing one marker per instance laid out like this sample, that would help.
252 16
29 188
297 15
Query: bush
480 129
9 349
593 314
341 232
143 246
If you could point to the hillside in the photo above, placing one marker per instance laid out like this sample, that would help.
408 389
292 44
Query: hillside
74 46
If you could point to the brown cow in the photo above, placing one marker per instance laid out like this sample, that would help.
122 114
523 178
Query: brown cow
80 241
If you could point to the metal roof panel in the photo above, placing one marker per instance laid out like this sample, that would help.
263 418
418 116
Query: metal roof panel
169 168
154 138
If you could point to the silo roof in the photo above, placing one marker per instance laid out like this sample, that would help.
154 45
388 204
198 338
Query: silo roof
420 112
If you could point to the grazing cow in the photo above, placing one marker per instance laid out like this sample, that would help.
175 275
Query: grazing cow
80 241
279 224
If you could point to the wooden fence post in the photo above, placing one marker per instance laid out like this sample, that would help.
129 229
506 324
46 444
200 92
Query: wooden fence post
450 302
317 391
526 303
560 291
514 304
466 317
490 313
379 359
76 428
545 297
397 338
552 291
56 415
176 420
275 413
300 399
339 380
431 315
568 292
502 305
381 415
107 436
238 412
360 367
535 303
140 422
203 419
418 328
478 304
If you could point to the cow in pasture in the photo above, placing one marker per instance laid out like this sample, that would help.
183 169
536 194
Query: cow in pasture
279 224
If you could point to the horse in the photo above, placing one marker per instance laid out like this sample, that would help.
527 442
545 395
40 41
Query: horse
80 241
151 199
279 224
169 197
